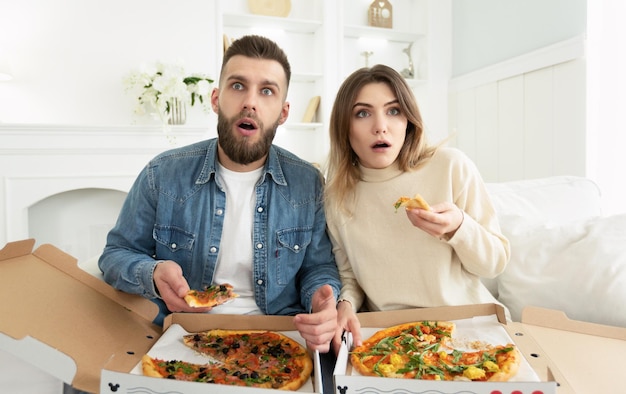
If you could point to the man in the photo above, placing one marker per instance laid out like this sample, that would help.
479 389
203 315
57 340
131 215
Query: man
235 209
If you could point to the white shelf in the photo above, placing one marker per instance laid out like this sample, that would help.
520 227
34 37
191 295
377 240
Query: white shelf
271 22
381 33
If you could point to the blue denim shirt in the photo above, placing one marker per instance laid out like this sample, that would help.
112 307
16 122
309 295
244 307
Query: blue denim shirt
175 211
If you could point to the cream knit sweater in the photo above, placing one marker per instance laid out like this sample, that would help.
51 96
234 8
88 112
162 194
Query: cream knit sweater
386 263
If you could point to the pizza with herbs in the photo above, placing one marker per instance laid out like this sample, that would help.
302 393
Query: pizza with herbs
417 201
424 350
211 296
253 358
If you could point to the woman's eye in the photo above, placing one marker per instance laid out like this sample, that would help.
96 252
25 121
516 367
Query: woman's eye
267 91
394 111
237 86
361 114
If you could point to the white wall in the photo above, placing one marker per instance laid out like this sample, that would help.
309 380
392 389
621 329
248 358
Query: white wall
69 56
606 100
490 31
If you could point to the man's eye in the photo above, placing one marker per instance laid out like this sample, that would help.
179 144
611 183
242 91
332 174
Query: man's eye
237 86
267 91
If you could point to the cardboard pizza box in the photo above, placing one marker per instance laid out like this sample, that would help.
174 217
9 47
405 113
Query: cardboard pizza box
80 330
116 373
551 380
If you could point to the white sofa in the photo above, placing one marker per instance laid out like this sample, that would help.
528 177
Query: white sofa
565 254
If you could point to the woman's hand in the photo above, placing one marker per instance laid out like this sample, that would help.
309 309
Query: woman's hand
347 321
441 221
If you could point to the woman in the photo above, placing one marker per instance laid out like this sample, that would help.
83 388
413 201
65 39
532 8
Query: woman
417 258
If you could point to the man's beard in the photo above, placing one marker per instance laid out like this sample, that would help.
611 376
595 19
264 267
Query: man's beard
238 148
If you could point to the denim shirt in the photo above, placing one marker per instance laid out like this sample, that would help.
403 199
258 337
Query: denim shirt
175 211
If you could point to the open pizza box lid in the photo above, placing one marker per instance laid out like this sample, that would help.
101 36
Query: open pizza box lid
565 342
63 320
77 328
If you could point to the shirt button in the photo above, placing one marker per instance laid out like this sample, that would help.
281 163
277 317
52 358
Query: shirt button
259 282
220 212
174 246
296 247
213 249
259 246
259 209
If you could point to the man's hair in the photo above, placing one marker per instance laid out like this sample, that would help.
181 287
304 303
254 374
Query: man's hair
258 47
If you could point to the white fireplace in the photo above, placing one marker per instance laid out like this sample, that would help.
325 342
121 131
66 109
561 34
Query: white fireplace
65 184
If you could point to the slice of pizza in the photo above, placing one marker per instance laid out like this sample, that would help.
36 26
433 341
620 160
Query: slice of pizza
213 295
416 202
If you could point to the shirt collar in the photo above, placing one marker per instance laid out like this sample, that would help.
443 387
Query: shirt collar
272 165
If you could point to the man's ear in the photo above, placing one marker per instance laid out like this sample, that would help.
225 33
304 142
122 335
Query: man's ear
215 99
284 113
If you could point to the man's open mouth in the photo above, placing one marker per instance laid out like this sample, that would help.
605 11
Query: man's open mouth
247 126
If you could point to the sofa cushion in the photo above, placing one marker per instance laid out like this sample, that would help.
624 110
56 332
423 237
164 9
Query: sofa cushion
558 199
541 201
578 268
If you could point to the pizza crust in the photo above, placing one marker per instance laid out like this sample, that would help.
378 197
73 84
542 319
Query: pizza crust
149 368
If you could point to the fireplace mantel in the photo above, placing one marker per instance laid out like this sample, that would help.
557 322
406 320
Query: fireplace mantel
38 161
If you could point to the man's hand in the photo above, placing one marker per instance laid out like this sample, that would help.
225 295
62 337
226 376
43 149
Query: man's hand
172 286
318 327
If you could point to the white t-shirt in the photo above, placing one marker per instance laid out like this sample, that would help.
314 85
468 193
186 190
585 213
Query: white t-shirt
234 261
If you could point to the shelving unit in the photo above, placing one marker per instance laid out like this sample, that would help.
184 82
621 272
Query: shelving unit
324 41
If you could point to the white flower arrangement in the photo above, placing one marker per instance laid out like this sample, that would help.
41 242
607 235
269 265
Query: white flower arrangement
158 87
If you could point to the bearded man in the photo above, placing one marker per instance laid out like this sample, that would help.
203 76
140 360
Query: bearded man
234 209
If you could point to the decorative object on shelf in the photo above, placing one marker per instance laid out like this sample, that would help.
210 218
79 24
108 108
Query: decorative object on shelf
270 7
380 14
178 112
367 55
311 109
227 42
165 90
408 72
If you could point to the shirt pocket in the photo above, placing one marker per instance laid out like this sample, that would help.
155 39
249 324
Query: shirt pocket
174 241
292 244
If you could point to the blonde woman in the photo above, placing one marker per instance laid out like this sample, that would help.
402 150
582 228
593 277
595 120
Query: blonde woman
413 257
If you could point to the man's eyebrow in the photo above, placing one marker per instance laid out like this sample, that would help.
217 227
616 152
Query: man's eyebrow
237 77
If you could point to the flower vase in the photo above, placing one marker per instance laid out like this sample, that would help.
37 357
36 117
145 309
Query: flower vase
177 112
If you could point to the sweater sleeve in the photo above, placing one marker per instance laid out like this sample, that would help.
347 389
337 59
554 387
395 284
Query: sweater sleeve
479 243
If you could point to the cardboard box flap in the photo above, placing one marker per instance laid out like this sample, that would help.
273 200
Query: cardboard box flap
391 318
550 318
68 264
47 297
586 353
17 249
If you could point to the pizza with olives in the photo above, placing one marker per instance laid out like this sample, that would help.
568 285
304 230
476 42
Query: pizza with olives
211 296
425 350
253 358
